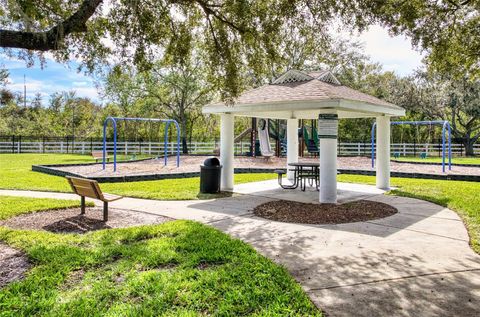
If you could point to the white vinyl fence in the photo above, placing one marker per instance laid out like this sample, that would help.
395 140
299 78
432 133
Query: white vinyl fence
157 148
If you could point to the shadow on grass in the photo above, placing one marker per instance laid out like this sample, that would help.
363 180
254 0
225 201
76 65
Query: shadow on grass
442 201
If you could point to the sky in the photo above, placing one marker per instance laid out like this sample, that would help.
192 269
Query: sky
394 53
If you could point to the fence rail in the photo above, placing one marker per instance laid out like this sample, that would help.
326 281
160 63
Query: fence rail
17 145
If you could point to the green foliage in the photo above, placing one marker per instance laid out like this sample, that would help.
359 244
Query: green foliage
180 268
234 38
461 197
16 173
65 114
11 206
447 31
3 75
434 96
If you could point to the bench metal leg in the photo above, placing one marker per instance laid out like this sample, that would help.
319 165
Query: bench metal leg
295 181
82 205
105 211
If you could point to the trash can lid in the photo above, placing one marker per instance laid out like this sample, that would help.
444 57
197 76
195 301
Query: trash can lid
211 161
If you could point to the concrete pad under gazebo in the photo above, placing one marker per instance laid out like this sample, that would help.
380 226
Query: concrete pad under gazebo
315 95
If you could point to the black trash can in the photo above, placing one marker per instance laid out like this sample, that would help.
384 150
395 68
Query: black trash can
210 173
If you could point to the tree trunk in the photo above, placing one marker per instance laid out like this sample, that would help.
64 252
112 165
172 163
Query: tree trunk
183 125
469 143
53 38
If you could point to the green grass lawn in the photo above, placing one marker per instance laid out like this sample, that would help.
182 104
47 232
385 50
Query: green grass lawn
462 197
180 268
16 173
455 160
11 206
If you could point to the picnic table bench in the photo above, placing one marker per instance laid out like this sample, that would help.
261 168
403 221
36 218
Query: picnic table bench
98 155
89 188
303 172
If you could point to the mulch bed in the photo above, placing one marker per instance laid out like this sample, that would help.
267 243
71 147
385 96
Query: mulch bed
296 212
70 220
13 265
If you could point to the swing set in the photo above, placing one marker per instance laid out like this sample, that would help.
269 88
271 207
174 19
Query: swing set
445 126
116 120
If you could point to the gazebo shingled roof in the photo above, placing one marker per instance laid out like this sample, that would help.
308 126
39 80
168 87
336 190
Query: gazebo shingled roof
300 91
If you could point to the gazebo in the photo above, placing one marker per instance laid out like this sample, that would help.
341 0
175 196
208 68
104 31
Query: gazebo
314 95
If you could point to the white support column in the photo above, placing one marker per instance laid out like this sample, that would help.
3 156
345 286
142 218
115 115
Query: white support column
226 150
328 135
292 145
383 152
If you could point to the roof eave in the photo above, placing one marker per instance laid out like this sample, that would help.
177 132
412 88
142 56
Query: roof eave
340 104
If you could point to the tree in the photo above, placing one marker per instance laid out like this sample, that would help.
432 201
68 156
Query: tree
3 76
448 31
235 37
173 91
435 96
6 95
464 110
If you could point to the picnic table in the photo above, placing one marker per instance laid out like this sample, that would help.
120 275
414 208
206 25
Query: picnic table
304 172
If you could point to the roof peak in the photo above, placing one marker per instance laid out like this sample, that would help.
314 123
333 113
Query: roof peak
294 75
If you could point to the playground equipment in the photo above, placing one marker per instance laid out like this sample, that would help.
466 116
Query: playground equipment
115 120
311 142
445 126
264 138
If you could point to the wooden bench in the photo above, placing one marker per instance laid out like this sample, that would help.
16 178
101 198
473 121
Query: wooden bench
89 188
98 155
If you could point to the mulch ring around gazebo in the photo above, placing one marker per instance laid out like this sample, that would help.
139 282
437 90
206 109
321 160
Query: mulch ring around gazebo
70 221
306 213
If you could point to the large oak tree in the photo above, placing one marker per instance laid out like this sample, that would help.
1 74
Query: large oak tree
236 35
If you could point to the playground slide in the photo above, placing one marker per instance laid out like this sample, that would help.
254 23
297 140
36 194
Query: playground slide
263 137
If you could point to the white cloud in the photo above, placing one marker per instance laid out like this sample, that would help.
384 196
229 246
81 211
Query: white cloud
79 83
394 53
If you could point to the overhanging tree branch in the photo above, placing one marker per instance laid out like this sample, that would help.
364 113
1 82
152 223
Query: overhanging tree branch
52 39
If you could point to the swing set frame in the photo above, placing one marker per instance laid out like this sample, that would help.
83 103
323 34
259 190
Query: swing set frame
445 127
114 121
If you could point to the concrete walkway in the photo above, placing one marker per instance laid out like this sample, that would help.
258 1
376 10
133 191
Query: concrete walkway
415 263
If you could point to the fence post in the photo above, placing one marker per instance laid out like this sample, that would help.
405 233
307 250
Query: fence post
13 143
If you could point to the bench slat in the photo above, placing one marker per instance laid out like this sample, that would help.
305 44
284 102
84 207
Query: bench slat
111 197
88 192
82 182
89 188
